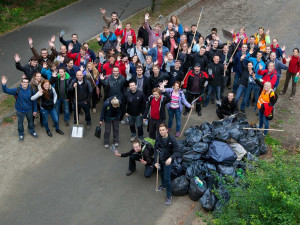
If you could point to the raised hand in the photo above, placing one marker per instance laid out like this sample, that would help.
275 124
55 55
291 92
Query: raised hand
17 58
4 80
267 32
30 41
44 65
154 45
189 50
52 38
147 17
103 11
283 55
186 29
61 59
51 44
119 38
70 47
98 38
232 31
260 67
101 76
54 74
120 26
40 92
82 68
166 59
283 48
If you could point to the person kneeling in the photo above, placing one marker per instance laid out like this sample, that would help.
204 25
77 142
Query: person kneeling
228 106
138 153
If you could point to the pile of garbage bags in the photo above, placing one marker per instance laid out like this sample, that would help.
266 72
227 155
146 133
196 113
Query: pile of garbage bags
214 153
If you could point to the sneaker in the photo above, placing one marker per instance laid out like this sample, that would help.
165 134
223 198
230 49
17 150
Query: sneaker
129 172
199 113
177 134
116 144
122 121
106 146
243 111
161 187
291 98
88 127
67 123
168 201
59 131
34 135
281 93
21 138
132 139
145 124
94 110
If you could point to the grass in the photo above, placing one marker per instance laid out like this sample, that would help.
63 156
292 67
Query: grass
6 104
15 13
8 120
272 141
167 7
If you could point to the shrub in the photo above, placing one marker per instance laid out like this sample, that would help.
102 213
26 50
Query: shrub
268 195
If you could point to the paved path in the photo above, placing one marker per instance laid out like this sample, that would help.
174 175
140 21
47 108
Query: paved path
82 18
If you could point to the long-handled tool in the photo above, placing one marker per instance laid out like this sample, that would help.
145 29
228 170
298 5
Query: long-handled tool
77 130
157 161
197 26
190 113
249 128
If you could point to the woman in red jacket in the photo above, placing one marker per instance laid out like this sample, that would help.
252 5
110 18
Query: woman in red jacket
269 75
293 71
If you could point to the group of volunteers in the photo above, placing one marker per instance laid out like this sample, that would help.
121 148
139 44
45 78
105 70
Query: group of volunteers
145 75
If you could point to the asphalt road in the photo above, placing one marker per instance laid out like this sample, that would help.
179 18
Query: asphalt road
82 18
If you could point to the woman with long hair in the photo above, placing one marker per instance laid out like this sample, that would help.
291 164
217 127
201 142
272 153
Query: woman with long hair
262 39
35 83
176 105
148 66
176 24
92 74
48 98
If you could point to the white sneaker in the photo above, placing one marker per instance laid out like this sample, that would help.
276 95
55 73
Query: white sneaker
132 139
106 146
122 121
116 144
94 110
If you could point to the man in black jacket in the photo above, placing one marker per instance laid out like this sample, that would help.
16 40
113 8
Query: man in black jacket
171 42
84 95
190 34
29 69
215 69
74 41
157 77
135 104
111 114
175 74
61 82
167 149
228 106
144 154
198 58
142 82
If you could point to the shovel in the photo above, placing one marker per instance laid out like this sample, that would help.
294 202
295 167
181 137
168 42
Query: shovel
77 130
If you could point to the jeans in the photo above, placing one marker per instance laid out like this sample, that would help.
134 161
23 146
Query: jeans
165 174
246 100
288 77
132 165
240 92
53 115
86 109
138 122
237 77
217 90
29 118
263 121
177 114
66 108
115 125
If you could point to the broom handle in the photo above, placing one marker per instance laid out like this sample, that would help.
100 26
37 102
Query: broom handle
197 26
157 160
249 128
234 51
186 122
76 103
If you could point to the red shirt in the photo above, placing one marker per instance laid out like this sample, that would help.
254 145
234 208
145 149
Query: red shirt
160 57
294 66
155 108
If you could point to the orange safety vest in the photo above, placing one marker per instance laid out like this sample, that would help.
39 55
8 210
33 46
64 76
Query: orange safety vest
264 98
261 44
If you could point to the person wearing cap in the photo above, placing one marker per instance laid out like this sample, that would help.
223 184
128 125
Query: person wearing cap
194 83
111 114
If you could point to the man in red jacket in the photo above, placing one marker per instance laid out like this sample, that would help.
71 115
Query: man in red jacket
293 71
125 33
81 58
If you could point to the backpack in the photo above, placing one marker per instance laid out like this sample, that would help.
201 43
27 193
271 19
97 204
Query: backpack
268 108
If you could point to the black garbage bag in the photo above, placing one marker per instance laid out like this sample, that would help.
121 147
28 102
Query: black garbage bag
197 188
200 147
219 131
251 158
250 143
210 167
191 156
263 148
223 198
226 170
186 149
181 144
180 186
206 132
211 180
220 153
193 136
185 165
208 200
194 169
236 133
177 169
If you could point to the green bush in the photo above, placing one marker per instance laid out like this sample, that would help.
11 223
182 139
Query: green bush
268 195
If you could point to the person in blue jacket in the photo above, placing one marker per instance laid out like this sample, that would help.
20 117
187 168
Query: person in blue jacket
24 106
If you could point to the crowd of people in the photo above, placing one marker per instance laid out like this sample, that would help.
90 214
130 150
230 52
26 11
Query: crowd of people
143 76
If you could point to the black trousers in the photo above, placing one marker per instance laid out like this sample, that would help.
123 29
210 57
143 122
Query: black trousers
132 165
153 127
190 97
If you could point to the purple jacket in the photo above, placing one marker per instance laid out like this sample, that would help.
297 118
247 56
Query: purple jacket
152 37
182 99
